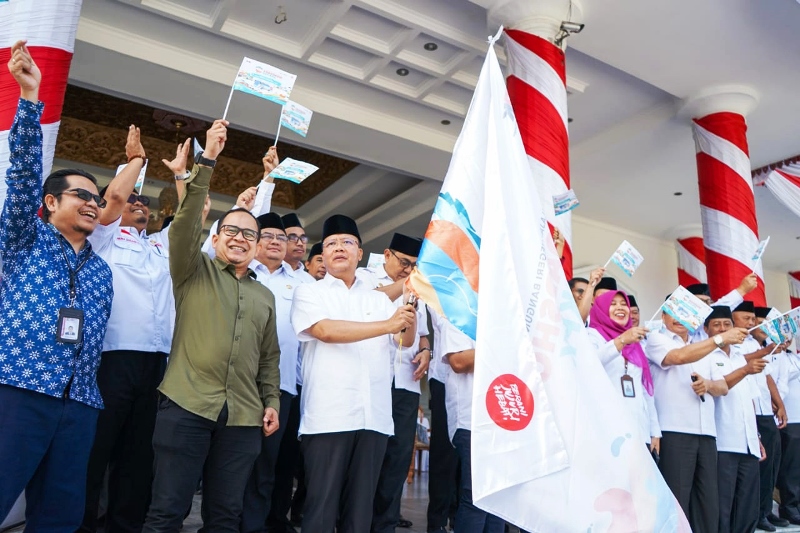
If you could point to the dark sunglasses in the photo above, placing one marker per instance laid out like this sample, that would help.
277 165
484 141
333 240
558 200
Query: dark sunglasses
233 231
144 200
86 196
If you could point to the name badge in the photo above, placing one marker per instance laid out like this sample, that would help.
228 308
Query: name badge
69 326
628 389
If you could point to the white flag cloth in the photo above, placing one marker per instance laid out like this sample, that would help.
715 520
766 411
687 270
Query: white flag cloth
553 448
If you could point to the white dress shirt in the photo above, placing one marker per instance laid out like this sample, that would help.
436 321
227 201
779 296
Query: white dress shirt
438 368
763 401
788 382
734 413
402 367
458 389
642 406
282 283
679 408
346 386
143 310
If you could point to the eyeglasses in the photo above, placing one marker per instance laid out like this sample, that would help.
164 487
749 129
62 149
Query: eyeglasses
294 238
331 244
86 196
233 231
405 263
144 200
277 236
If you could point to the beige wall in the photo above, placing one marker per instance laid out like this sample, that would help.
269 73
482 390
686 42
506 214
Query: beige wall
594 242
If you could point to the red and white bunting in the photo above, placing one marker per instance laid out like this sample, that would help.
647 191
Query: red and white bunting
49 26
784 184
794 289
537 87
727 205
691 261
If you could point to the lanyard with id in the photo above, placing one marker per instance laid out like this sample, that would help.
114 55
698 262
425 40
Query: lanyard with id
626 382
69 327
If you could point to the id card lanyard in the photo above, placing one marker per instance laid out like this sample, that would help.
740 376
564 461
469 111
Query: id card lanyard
69 326
626 382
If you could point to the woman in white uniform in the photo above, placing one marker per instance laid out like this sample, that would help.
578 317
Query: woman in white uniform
617 343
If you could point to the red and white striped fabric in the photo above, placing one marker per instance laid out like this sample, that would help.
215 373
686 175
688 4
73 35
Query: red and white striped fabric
784 184
691 261
727 204
537 86
49 27
794 289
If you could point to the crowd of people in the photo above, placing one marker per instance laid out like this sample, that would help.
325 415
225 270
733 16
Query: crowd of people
284 381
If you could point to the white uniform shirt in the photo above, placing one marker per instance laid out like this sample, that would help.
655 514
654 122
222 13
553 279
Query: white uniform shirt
143 311
642 405
732 300
438 369
282 284
347 386
763 401
679 408
402 367
734 414
788 382
458 388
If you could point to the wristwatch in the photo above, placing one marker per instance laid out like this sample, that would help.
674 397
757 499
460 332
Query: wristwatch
200 160
718 341
181 177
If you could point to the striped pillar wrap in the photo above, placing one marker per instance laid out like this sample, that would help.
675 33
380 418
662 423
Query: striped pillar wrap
727 204
49 26
691 261
537 86
794 288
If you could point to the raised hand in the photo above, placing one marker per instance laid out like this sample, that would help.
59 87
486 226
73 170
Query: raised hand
178 165
247 198
270 160
216 137
24 70
133 145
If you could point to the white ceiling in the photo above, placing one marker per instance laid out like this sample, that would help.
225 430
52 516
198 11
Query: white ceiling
629 72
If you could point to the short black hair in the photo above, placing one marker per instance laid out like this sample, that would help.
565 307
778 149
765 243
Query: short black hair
56 183
222 221
573 281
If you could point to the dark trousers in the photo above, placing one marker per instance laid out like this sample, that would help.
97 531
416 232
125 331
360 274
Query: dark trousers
123 443
289 459
394 471
342 472
689 466
188 446
771 440
258 492
443 469
737 476
44 449
789 471
470 518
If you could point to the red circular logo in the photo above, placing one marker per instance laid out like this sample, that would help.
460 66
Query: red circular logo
509 402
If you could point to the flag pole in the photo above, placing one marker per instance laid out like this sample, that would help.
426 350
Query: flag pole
227 105
278 134
656 313
758 326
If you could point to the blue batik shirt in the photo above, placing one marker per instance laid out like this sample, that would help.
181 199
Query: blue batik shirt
35 283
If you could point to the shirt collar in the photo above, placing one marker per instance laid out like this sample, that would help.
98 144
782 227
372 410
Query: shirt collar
222 265
332 281
134 231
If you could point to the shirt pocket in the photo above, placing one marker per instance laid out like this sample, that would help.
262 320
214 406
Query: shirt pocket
127 251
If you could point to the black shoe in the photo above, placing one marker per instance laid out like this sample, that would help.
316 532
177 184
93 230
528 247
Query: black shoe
764 525
777 521
792 515
404 523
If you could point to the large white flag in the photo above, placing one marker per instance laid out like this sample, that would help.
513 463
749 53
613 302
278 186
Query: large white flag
553 448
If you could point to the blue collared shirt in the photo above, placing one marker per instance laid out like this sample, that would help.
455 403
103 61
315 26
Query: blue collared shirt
35 283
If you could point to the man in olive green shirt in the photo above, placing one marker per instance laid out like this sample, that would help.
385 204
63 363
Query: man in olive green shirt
222 384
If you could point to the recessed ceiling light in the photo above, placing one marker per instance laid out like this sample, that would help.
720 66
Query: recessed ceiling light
678 193
569 120
430 47
402 72
446 122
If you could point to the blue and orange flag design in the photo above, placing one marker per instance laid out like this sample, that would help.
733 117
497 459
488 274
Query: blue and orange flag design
446 277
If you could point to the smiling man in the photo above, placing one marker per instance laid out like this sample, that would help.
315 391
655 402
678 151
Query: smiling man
53 281
221 389
350 333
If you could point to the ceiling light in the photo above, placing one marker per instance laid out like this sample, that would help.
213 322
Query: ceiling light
430 47
569 120
446 122
677 193
402 72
